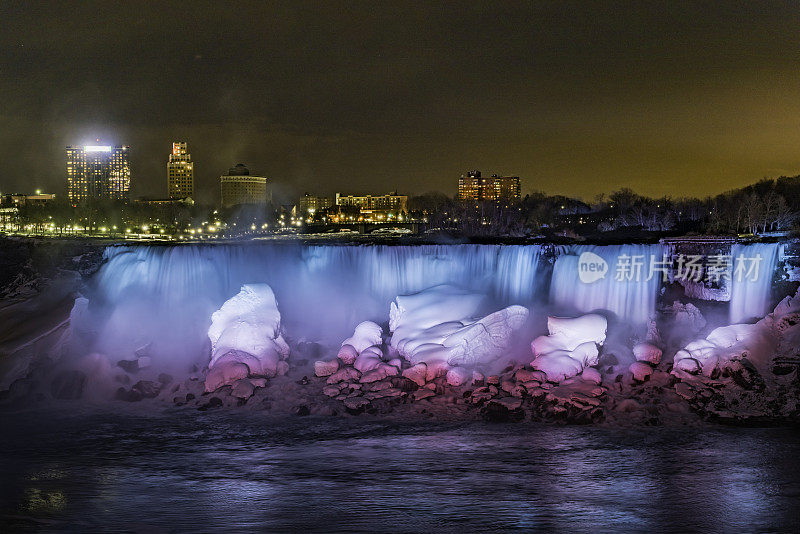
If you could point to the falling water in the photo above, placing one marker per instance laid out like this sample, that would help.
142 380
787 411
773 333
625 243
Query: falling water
751 280
627 289
322 291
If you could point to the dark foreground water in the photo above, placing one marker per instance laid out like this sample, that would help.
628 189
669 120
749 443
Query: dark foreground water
221 471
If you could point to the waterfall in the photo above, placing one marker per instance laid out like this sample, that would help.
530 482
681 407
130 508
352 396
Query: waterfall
751 280
627 288
321 289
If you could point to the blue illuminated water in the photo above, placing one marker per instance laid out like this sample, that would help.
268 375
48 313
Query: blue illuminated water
188 472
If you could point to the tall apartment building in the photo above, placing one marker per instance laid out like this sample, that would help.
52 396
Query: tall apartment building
98 172
238 186
472 186
180 173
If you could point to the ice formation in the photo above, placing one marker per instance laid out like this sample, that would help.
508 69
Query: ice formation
440 324
757 343
571 346
245 336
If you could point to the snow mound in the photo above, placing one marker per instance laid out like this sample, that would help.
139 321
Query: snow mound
246 331
571 346
758 343
440 323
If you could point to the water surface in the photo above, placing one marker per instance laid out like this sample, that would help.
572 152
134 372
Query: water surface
220 471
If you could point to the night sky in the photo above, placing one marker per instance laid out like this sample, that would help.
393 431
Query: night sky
670 98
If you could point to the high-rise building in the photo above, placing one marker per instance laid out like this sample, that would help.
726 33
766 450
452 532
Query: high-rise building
238 186
472 186
469 186
180 173
98 172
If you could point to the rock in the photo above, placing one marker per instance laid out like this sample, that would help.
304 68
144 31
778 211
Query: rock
326 368
381 372
165 379
243 389
348 354
225 373
507 386
367 361
383 393
512 403
640 371
519 391
403 384
377 386
435 369
524 375
421 394
478 378
302 410
68 385
356 403
259 382
493 379
213 402
331 391
684 390
458 376
147 388
645 352
343 375
592 375
417 373
688 365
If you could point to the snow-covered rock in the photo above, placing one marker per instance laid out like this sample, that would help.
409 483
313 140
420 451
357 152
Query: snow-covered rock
347 354
246 330
688 317
590 327
366 334
442 323
574 338
557 365
646 352
367 361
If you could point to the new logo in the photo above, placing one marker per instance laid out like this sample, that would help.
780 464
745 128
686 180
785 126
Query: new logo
591 267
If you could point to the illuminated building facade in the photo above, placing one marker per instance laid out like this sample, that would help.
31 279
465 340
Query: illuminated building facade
98 172
180 172
379 208
473 187
308 204
238 186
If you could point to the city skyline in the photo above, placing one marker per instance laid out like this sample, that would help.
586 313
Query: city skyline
667 99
